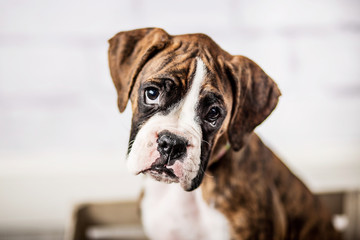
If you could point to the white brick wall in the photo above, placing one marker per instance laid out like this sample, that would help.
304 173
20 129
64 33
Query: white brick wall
62 140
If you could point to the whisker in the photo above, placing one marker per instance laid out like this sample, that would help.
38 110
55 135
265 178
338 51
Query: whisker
130 145
206 142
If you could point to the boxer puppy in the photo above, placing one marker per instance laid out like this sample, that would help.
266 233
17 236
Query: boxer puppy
195 107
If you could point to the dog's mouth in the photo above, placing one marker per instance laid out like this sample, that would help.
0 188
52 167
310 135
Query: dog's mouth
161 173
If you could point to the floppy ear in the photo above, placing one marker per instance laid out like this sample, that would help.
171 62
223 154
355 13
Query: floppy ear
255 97
128 53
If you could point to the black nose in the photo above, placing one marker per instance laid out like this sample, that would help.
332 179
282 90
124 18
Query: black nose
171 147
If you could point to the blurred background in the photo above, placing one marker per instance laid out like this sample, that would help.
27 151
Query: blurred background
63 141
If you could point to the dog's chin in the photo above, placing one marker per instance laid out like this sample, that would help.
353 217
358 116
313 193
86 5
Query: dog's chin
167 176
162 176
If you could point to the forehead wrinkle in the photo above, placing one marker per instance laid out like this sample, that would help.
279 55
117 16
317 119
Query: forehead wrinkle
212 80
176 57
210 88
178 66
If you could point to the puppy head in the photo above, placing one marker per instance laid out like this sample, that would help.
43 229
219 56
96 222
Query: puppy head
186 94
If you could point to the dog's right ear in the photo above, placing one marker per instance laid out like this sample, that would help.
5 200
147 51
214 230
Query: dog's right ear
128 53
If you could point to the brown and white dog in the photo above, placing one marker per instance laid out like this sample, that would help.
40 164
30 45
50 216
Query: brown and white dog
195 107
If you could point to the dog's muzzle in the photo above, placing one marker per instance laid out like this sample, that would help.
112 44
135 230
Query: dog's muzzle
171 147
167 152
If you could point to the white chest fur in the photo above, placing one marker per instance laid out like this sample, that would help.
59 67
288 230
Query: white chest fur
169 212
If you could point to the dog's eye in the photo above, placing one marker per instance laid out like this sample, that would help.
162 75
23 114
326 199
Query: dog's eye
152 95
213 115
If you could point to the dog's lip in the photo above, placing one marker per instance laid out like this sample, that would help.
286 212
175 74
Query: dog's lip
159 169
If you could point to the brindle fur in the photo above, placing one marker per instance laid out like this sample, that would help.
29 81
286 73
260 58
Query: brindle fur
262 198
258 194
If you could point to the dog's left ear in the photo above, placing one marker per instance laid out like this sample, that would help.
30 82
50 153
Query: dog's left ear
128 53
255 96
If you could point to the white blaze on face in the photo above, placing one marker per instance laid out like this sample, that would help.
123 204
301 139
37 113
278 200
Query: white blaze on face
188 110
180 121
